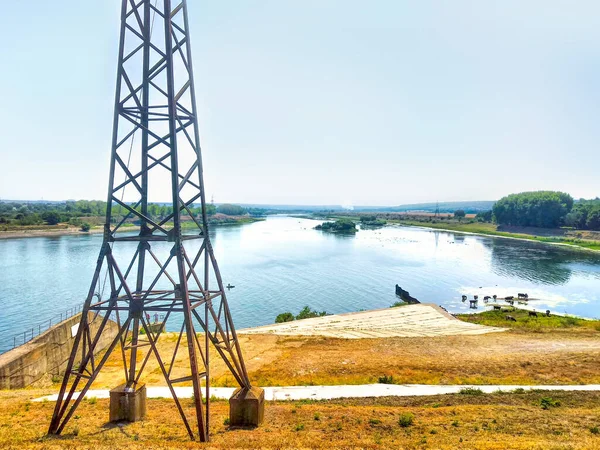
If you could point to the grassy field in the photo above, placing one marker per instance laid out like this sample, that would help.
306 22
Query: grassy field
526 323
490 229
518 420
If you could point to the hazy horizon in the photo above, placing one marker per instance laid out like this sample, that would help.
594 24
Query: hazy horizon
322 102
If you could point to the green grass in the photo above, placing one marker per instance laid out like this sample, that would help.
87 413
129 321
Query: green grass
491 229
495 318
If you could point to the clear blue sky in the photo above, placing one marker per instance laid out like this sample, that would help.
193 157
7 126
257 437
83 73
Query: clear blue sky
322 101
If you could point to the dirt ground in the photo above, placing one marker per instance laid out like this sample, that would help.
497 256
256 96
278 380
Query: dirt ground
564 420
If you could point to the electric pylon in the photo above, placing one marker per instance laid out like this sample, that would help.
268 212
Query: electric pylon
165 269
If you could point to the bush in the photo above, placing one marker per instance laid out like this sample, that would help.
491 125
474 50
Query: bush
396 304
595 430
85 227
470 391
406 420
547 403
386 380
307 313
284 317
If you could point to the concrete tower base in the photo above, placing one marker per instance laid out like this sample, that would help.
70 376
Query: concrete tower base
247 407
128 403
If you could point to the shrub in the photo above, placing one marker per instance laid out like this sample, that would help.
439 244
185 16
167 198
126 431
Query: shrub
92 400
85 226
547 403
226 421
317 416
300 427
284 317
374 421
595 430
386 380
470 391
395 305
406 420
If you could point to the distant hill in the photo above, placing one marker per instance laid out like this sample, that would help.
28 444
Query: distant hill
472 207
469 207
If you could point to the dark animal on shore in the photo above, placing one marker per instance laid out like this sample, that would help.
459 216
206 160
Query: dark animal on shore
547 313
510 297
532 314
494 296
510 302
511 318
464 298
497 307
523 295
486 298
476 297
473 304
405 296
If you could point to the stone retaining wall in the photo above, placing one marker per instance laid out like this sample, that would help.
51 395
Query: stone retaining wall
48 353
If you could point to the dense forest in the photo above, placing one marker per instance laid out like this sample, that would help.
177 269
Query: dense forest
547 209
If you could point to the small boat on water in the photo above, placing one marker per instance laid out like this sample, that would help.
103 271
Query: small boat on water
230 286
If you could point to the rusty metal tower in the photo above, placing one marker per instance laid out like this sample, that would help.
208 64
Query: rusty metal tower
166 269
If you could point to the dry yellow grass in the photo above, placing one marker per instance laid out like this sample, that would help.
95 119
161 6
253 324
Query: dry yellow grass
496 421
570 356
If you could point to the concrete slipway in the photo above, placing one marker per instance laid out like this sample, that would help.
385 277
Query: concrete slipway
423 320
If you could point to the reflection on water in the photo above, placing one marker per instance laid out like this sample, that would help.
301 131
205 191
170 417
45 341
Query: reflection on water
283 264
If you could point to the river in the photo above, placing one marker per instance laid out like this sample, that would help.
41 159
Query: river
283 264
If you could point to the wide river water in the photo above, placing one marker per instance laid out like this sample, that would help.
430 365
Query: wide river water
283 264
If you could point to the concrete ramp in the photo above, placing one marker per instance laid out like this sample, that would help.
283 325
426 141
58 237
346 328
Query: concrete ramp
424 320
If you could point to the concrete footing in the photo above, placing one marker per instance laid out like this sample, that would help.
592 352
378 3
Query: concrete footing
128 403
247 407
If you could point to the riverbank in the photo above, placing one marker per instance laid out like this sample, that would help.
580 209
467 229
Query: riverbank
67 230
561 237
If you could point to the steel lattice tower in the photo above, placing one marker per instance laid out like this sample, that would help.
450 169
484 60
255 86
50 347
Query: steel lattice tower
164 269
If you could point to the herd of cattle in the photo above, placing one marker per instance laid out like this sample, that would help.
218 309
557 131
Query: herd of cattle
508 299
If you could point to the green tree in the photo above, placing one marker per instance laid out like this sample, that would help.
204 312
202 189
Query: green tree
85 226
459 214
546 209
231 210
51 217
484 216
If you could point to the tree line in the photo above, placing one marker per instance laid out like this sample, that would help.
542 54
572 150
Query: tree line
76 212
545 209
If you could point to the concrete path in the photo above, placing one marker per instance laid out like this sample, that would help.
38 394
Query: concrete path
343 391
424 320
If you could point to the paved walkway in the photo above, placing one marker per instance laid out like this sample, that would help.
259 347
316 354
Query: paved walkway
423 320
343 391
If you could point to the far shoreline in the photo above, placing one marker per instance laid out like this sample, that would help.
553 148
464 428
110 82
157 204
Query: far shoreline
76 231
